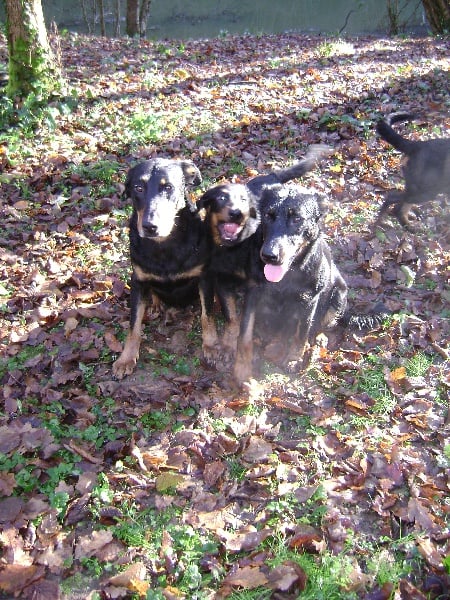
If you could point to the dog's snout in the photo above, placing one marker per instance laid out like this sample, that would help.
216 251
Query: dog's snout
149 228
270 256
235 214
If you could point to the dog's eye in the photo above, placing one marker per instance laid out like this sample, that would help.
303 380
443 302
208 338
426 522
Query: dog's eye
270 215
139 188
167 187
294 217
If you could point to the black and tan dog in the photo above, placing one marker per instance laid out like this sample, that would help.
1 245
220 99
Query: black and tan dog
427 172
300 291
167 244
232 218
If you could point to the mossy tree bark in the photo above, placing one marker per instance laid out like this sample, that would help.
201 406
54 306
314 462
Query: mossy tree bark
438 15
33 67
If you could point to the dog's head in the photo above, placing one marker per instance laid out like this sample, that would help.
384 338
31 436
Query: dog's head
290 224
231 213
157 188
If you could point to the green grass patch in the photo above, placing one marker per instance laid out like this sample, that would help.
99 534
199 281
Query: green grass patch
371 380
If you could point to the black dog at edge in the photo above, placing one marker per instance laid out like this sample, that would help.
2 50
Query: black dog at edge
232 223
427 172
300 292
167 244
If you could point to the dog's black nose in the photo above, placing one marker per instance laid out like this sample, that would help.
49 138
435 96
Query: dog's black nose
269 257
235 213
150 229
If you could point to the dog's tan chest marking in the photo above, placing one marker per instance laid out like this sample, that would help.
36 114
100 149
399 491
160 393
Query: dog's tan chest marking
144 276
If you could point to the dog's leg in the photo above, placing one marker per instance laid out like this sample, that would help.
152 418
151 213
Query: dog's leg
393 197
126 362
231 330
168 314
156 308
210 340
306 316
243 365
323 311
402 211
337 303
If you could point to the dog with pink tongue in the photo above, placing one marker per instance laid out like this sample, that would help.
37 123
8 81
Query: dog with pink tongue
302 292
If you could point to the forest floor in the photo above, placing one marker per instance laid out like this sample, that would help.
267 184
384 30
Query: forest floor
173 483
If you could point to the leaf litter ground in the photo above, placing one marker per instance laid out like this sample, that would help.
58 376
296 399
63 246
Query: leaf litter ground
173 483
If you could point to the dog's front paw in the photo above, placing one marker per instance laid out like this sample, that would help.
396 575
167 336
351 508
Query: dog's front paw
229 339
242 372
123 367
410 228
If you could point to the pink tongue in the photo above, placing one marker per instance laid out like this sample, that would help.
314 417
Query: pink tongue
274 273
230 228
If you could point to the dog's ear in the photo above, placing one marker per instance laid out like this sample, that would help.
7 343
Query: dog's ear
312 231
192 174
264 196
128 190
317 205
205 199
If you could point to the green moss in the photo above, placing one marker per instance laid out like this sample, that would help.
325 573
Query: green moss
32 66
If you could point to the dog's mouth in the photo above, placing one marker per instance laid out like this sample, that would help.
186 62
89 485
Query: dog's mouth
229 231
275 273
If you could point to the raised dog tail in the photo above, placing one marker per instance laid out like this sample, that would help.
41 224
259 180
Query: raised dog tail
388 134
315 153
371 320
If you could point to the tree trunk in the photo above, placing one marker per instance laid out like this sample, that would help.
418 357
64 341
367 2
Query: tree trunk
137 17
132 26
101 10
143 17
85 16
438 15
117 19
32 65
393 16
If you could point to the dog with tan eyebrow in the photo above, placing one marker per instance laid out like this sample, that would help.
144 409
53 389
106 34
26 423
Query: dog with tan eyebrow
167 244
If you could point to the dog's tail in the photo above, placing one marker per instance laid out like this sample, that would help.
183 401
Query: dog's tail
371 320
315 153
388 134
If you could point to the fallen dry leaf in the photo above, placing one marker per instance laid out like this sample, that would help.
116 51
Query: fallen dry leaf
135 573
167 481
246 539
288 577
247 578
88 545
257 450
13 578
